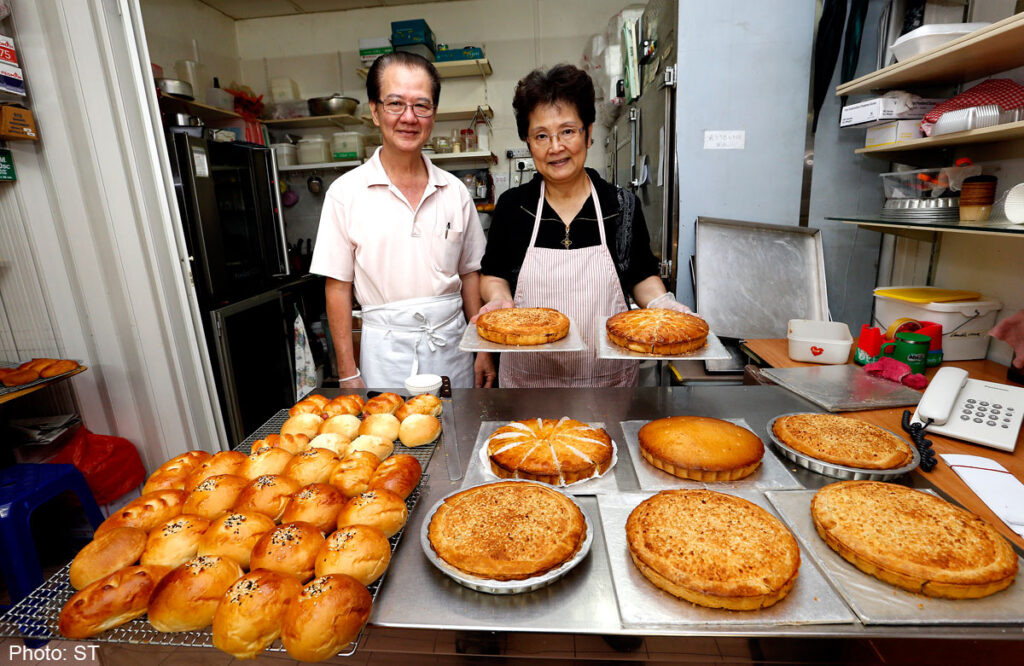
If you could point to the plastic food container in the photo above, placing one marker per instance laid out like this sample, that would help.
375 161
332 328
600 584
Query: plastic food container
825 342
965 323
346 146
285 154
417 384
928 37
313 150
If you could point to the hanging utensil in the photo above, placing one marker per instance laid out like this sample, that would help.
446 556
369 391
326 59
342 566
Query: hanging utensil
315 184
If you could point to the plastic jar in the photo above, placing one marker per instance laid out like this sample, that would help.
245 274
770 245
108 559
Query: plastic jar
313 150
346 146
284 153
468 140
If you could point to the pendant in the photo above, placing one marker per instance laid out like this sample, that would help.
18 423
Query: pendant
565 241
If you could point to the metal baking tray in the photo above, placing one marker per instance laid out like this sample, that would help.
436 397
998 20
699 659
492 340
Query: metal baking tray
877 602
842 471
771 474
502 586
713 350
923 204
5 390
472 342
811 601
843 388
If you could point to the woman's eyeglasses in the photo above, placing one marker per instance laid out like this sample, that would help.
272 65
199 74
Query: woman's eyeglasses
397 107
564 135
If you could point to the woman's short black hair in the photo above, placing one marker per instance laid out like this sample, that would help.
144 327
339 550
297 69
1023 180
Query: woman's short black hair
565 84
376 73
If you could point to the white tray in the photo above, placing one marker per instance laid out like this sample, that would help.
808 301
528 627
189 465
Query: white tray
472 342
713 350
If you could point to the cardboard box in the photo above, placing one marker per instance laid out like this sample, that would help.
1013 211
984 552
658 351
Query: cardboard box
884 109
416 31
896 131
17 123
371 48
11 79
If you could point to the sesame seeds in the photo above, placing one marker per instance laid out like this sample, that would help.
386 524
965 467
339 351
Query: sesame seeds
284 535
198 564
340 539
235 519
245 587
176 526
207 485
256 454
316 587
309 453
306 493
265 481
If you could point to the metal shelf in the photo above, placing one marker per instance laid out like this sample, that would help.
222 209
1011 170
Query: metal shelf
338 120
348 164
916 229
451 69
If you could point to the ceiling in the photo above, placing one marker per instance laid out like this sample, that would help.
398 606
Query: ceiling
248 9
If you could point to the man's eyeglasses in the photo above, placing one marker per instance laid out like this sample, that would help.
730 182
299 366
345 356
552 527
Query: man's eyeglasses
397 107
564 135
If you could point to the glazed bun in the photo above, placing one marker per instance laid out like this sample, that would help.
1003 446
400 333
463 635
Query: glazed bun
311 466
187 598
172 474
146 512
359 551
352 475
419 429
109 602
345 425
215 496
265 460
234 535
288 549
400 474
302 424
317 504
268 495
424 403
291 443
249 616
385 403
114 549
328 615
378 446
377 508
306 406
331 441
381 425
175 542
225 462
343 404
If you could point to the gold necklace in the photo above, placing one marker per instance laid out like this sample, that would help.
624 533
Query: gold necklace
565 241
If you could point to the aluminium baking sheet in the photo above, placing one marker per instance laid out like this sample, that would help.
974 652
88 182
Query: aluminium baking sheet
472 342
843 388
714 350
811 601
771 474
876 602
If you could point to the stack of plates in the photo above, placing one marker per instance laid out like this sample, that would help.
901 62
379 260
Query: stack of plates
943 209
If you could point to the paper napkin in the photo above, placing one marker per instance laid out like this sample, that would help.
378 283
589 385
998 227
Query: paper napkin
994 485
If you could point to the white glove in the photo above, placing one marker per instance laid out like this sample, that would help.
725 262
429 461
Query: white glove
668 302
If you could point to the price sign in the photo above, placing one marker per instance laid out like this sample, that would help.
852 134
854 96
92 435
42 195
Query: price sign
6 165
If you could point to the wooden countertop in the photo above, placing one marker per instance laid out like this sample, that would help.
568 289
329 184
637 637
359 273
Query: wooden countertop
774 352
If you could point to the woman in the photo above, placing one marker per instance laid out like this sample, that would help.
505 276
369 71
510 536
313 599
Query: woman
405 236
567 239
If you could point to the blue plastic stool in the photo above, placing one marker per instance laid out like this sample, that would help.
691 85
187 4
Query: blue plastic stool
22 489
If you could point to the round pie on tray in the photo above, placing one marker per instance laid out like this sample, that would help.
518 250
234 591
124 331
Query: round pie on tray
509 530
843 441
713 549
913 540
556 452
700 448
657 331
522 326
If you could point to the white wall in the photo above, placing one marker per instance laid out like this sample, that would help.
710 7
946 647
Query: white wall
171 27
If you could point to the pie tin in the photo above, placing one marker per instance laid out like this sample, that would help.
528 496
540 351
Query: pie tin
842 471
572 342
503 586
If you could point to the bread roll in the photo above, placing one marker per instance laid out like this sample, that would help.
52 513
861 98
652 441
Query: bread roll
331 441
311 466
288 549
234 535
58 368
385 403
187 598
317 504
424 403
382 509
306 407
37 364
291 443
175 542
187 461
343 404
108 552
302 424
359 551
328 615
345 425
146 512
400 473
268 495
419 429
265 460
109 602
381 425
249 616
173 473
378 446
352 475
19 377
215 496
225 462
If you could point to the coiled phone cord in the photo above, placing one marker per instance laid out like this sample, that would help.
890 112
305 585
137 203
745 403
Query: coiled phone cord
924 446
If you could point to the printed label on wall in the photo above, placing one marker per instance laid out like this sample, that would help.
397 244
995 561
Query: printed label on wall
725 139
7 165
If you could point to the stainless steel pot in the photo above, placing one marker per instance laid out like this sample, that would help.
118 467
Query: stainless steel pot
186 120
175 87
333 105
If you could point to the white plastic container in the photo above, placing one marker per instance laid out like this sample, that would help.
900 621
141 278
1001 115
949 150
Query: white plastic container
284 153
417 384
825 342
283 88
313 150
965 324
346 146
928 37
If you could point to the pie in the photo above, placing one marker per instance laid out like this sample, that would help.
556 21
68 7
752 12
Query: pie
700 448
843 441
657 331
509 530
556 452
522 326
913 540
713 549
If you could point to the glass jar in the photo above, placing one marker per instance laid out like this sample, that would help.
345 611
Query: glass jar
468 140
442 144
457 145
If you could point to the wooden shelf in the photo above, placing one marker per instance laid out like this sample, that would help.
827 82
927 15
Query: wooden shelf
339 120
470 156
996 48
204 111
447 115
919 230
1005 132
347 164
453 69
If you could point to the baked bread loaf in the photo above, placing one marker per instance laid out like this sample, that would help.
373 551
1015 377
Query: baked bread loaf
302 424
377 508
292 443
346 425
146 512
419 429
381 425
843 441
328 615
311 466
109 602
249 616
234 535
288 549
424 403
385 403
332 441
215 496
268 495
555 452
657 331
359 551
508 530
352 475
400 474
713 549
172 474
378 446
225 462
700 448
317 504
175 542
522 326
311 404
18 377
913 540
58 368
114 549
265 460
344 404
187 597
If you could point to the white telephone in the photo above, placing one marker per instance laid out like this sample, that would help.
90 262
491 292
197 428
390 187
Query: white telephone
980 412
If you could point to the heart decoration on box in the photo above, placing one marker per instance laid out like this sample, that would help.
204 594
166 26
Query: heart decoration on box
817 351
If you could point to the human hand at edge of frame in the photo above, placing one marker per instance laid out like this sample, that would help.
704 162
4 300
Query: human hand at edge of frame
668 301
496 304
1011 331
354 383
483 370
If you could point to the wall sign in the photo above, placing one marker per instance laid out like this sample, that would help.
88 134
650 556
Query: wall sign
7 165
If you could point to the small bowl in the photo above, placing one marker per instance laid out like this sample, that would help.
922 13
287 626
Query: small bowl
417 384
826 342
973 213
1014 205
